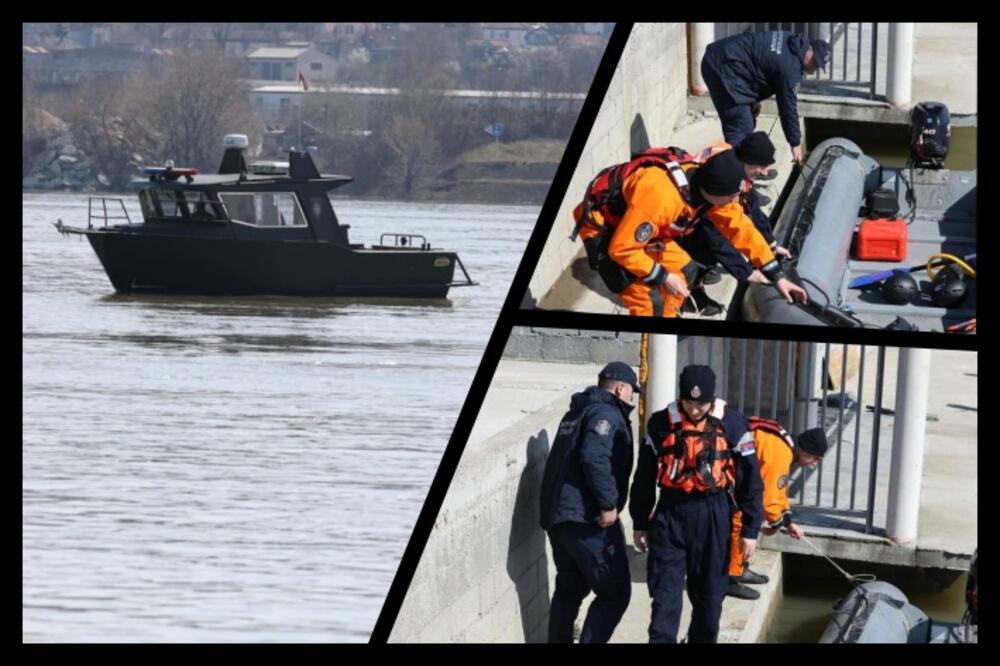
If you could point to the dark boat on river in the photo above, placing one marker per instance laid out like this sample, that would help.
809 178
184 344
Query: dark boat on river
264 228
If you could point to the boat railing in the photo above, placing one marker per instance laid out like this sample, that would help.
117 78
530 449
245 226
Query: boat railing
405 240
102 213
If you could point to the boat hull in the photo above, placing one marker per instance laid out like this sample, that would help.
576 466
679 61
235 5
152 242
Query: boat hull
142 262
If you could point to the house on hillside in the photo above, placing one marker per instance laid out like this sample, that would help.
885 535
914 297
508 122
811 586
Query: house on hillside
285 63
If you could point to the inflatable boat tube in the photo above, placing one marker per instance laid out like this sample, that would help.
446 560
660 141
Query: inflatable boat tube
877 612
816 224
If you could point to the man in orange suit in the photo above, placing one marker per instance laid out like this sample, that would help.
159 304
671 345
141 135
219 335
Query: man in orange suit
776 451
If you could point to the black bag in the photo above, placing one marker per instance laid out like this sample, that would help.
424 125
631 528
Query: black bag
615 278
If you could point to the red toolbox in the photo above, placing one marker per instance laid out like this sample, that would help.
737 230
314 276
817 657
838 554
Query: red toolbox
882 240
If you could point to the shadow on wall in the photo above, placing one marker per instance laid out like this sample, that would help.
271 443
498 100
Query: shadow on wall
638 138
527 561
587 276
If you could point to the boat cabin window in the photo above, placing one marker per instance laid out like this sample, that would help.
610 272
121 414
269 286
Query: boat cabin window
187 205
202 208
264 209
168 204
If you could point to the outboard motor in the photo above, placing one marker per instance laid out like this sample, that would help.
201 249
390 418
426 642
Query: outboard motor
930 128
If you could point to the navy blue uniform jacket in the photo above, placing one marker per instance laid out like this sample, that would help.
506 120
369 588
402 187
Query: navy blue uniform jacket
753 66
590 462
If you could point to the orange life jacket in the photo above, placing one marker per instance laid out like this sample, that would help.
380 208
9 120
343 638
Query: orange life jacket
604 193
696 456
772 426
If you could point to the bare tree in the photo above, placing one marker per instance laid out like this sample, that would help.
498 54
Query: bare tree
31 125
414 149
196 101
107 124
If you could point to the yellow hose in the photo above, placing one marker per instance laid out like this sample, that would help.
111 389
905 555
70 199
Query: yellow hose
643 378
969 270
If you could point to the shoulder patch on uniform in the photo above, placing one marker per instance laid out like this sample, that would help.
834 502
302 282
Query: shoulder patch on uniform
746 448
603 427
782 481
643 232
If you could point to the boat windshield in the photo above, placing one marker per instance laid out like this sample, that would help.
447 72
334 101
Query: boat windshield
264 209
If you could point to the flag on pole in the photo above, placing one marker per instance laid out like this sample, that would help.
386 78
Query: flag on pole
302 80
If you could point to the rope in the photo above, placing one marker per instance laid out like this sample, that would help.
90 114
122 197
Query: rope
852 579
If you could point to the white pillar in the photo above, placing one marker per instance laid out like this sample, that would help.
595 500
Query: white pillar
912 381
661 384
700 35
900 70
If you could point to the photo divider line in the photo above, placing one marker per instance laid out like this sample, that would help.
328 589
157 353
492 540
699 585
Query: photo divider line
498 339
566 319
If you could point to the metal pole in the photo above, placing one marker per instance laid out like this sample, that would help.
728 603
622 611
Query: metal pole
829 40
900 74
876 424
790 419
743 374
912 383
777 370
871 91
840 425
661 388
822 418
805 390
861 28
760 376
725 368
858 411
844 36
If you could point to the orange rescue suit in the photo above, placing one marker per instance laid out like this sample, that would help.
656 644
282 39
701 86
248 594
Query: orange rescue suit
775 453
643 242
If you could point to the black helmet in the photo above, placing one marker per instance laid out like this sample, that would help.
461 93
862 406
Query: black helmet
899 288
948 289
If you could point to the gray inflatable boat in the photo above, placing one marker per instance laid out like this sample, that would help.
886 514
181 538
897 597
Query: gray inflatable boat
878 612
817 224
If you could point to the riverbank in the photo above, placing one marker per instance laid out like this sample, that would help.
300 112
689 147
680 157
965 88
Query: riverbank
517 173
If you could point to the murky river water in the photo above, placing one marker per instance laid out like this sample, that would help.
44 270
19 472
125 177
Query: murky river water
236 469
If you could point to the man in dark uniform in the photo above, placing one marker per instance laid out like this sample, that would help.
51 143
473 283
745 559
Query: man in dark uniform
743 70
701 454
584 486
707 246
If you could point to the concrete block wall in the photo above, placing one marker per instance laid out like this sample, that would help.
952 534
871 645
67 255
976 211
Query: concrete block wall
572 345
646 99
485 574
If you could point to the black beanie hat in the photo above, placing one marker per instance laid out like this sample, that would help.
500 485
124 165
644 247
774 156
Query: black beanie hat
697 383
756 149
813 441
721 175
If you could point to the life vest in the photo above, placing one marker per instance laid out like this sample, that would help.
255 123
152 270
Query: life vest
696 457
772 426
604 193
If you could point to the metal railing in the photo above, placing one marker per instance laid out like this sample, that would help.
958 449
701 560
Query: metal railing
799 384
405 241
103 214
855 68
